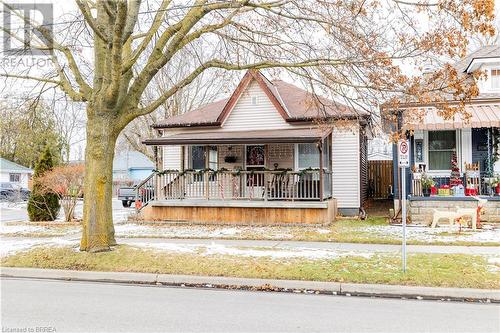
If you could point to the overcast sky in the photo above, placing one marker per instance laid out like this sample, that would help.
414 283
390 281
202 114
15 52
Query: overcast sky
64 11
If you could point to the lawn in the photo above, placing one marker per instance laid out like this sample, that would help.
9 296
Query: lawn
454 270
374 230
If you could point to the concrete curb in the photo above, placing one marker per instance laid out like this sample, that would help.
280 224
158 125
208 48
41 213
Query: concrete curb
296 286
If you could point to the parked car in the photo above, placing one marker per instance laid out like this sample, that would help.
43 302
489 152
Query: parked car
9 191
127 194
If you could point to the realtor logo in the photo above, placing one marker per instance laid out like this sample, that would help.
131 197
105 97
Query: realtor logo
18 30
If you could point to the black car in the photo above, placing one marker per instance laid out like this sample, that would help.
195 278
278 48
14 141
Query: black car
9 191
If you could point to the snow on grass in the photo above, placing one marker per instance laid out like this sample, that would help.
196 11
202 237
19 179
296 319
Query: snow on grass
442 234
19 205
24 229
274 253
175 231
12 246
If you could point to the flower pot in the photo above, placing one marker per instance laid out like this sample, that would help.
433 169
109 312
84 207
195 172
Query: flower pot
426 192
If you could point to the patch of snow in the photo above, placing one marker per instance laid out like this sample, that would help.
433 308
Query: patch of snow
172 231
20 229
12 246
427 234
494 261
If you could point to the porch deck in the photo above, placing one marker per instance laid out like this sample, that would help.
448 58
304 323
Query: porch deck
243 212
242 197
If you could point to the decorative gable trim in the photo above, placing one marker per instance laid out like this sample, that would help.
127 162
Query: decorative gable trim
242 86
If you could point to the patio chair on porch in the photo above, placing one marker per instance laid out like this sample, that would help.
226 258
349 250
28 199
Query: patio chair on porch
278 186
473 176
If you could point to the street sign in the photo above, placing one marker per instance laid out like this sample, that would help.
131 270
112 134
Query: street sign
404 153
404 162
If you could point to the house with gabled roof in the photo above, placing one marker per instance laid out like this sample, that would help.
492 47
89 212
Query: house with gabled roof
14 173
271 153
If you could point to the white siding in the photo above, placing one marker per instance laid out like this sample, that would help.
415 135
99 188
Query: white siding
23 181
172 158
247 116
345 167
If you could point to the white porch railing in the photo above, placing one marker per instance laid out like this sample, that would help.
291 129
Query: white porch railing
236 185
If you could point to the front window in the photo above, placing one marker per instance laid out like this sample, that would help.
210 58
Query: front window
15 177
442 144
198 157
308 156
256 156
495 78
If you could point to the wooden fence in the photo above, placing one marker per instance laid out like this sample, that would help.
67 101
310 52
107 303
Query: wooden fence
380 176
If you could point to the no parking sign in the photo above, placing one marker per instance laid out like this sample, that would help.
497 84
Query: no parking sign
404 153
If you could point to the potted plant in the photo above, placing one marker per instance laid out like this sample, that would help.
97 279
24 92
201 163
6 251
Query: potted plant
496 185
427 183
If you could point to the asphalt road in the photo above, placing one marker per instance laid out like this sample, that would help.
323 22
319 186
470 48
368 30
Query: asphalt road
100 307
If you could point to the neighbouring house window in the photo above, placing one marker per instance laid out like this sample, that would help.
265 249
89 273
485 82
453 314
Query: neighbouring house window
198 157
441 147
495 78
255 156
15 177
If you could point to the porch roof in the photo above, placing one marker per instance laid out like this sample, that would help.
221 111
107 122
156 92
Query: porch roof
429 118
294 135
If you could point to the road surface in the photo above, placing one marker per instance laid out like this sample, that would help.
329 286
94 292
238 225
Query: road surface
101 307
17 211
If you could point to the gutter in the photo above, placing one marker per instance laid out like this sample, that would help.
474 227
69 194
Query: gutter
267 285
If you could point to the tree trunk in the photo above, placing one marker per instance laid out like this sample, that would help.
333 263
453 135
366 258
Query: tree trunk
98 231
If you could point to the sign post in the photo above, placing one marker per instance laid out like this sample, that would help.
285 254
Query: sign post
404 162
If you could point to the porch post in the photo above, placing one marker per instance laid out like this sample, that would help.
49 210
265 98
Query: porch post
155 177
320 148
206 173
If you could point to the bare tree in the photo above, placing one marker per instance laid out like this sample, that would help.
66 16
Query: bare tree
207 87
351 48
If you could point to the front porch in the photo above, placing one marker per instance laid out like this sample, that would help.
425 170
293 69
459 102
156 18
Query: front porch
236 196
258 177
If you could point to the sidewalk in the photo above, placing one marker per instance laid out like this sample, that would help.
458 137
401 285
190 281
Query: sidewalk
308 287
441 249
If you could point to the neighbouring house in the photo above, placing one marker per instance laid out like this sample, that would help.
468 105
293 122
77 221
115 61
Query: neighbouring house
379 149
435 141
129 168
15 174
268 154
130 165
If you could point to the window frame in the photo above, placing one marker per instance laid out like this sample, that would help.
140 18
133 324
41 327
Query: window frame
15 174
441 172
326 155
495 72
